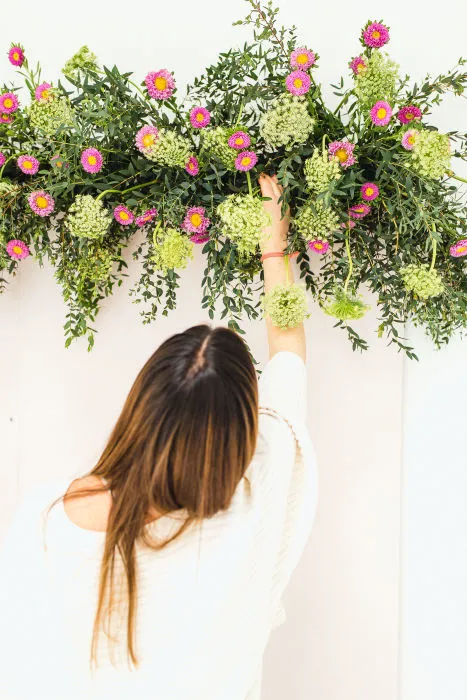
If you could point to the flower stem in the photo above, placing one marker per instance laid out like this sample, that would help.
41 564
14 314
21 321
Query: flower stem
433 259
239 116
456 177
347 246
324 145
250 189
4 165
286 260
129 189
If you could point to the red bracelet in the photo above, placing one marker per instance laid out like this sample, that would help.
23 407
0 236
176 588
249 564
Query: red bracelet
278 255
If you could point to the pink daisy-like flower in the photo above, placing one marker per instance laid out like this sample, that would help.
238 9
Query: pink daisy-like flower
146 137
459 249
319 245
358 65
16 56
239 140
369 191
381 113
146 218
348 224
28 164
199 117
246 160
342 151
358 211
123 215
5 118
407 114
192 166
195 220
375 35
8 102
58 162
298 82
2 159
302 58
160 84
41 203
199 238
17 249
408 139
42 92
91 160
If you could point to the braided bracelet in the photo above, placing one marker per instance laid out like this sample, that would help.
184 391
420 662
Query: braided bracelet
278 255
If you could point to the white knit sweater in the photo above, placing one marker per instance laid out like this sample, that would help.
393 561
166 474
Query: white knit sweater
206 604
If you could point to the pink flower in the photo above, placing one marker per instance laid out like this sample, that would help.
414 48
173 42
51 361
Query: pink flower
2 159
343 152
459 249
239 140
407 114
91 160
41 203
42 92
8 102
192 166
409 138
246 160
16 56
123 215
375 35
5 118
160 84
146 137
58 162
199 117
348 224
302 58
298 82
358 65
319 245
146 218
28 164
199 238
369 191
195 220
358 211
381 113
17 249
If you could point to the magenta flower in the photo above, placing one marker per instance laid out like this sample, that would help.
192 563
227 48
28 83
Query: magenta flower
5 118
239 140
319 245
348 224
41 203
145 137
298 82
16 56
192 166
160 84
42 92
28 164
146 218
246 160
408 139
199 238
2 159
375 35
58 162
199 117
342 151
369 191
8 102
123 215
358 211
302 58
358 65
91 160
17 249
459 249
195 220
407 114
381 113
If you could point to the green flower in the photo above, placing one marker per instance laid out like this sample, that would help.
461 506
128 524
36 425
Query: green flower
317 221
320 171
51 115
215 142
243 217
83 60
88 218
346 307
96 265
172 249
287 122
378 81
169 149
431 154
421 280
286 305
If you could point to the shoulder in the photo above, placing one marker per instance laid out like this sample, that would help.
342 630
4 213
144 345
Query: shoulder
89 511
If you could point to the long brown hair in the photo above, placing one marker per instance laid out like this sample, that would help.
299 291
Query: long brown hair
182 442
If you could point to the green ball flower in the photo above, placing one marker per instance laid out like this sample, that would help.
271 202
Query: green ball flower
287 122
422 281
88 218
320 171
316 222
96 265
431 154
243 217
286 305
169 149
215 142
83 60
378 81
51 115
346 307
172 250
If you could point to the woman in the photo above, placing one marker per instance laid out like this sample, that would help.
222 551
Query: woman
159 574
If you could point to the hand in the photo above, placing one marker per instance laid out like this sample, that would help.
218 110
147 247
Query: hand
275 235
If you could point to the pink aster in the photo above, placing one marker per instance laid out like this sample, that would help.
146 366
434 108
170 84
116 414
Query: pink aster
302 58
16 56
41 203
146 218
195 220
2 159
369 191
91 160
342 151
8 102
42 92
160 84
298 82
319 245
375 35
246 160
5 118
459 249
358 211
28 164
17 249
407 114
199 238
381 113
348 224
123 215
146 137
239 140
58 162
199 117
192 166
408 139
358 65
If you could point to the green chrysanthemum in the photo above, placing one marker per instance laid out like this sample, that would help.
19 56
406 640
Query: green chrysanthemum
243 217
96 265
88 218
172 249
320 171
422 281
215 142
317 221
378 81
431 156
169 149
286 305
287 122
83 60
48 116
346 307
